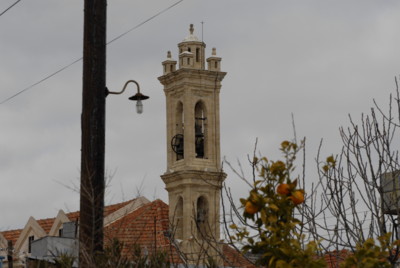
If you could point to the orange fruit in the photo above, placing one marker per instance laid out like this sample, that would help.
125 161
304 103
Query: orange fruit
283 189
297 197
250 208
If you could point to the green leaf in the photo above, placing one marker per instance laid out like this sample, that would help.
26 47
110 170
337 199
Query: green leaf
274 207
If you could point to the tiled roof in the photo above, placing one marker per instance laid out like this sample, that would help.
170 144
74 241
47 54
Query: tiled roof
233 258
46 224
145 226
73 216
148 225
334 258
12 235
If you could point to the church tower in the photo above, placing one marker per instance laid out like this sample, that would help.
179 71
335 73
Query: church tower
194 177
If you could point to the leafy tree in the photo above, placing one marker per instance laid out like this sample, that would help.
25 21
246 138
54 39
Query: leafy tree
355 202
271 231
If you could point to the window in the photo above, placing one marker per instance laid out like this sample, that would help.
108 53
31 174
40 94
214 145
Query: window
177 141
30 240
197 54
202 215
200 129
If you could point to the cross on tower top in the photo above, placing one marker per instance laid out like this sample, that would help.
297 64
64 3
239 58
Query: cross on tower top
191 29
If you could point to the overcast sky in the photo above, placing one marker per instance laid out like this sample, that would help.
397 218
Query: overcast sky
320 60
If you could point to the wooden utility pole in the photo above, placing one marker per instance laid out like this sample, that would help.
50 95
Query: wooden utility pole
93 132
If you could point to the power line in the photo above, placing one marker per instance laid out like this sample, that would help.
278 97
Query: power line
7 9
77 60
40 81
140 24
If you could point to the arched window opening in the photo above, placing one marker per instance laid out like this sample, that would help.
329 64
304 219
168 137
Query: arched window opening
197 54
179 219
202 215
177 141
189 49
180 119
200 129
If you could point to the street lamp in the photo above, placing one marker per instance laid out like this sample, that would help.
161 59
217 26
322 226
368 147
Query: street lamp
138 97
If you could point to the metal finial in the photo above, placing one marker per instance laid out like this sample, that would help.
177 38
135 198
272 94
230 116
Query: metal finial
191 29
202 26
169 54
214 51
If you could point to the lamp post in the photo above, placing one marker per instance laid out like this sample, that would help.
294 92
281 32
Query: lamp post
92 187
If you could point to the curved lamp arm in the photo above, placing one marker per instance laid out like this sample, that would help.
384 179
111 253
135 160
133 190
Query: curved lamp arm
123 89
138 97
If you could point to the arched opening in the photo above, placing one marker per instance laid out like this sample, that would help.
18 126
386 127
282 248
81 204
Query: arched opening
179 219
200 129
202 215
179 118
177 140
197 54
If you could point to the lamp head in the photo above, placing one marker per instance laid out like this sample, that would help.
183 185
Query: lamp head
138 97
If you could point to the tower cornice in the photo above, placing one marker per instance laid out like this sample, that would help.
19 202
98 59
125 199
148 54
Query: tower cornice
184 74
194 178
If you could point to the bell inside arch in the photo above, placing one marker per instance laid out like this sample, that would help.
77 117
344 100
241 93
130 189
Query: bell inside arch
199 127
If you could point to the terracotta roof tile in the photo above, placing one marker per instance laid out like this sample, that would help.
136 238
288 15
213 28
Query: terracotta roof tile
46 224
73 216
12 235
233 258
145 226
334 258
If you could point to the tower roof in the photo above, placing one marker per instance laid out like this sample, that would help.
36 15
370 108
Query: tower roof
191 37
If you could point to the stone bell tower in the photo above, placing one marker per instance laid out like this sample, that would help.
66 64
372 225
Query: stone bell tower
194 177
